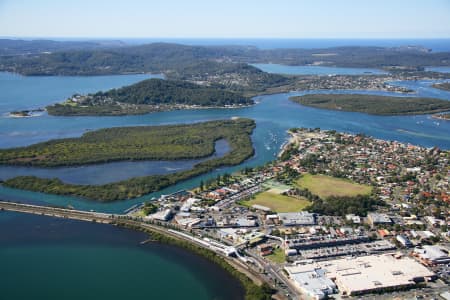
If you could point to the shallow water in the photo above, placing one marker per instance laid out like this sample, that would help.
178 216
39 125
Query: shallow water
97 174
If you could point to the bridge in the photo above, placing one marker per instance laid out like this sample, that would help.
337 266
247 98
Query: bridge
91 216
57 212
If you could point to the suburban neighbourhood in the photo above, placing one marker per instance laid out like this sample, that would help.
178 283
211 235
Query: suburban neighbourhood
336 215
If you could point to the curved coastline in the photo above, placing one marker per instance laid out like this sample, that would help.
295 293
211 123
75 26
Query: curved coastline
106 235
238 136
443 116
104 173
374 104
254 287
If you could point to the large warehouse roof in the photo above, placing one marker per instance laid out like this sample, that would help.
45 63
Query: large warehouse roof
368 273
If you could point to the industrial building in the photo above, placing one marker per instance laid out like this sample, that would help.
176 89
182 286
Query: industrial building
162 215
432 255
366 274
314 242
297 218
311 281
402 239
353 218
378 219
187 205
346 250
261 207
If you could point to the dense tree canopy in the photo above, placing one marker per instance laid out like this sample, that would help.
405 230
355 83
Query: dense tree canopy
373 104
236 132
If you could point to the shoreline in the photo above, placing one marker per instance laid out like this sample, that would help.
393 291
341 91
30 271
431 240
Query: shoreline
241 149
248 281
157 110
373 104
251 282
439 117
211 155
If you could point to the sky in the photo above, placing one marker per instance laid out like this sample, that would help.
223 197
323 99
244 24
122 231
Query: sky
226 18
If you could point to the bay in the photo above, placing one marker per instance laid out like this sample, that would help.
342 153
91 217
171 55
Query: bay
438 69
22 93
46 258
49 258
316 70
274 114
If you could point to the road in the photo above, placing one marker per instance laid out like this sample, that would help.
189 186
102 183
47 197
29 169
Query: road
91 216
277 274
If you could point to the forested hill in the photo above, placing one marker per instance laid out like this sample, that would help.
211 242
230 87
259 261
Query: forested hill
157 57
375 104
162 57
159 91
149 96
11 47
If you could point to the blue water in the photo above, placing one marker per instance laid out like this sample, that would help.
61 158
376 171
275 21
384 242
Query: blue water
274 114
49 258
21 93
316 70
438 69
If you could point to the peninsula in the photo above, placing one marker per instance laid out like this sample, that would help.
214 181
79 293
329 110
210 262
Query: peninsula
150 95
442 116
445 86
374 104
169 57
132 143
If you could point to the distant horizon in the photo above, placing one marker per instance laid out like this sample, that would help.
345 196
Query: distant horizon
435 44
217 38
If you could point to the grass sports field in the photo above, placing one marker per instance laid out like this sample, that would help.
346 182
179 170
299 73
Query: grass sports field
277 256
275 186
277 202
326 186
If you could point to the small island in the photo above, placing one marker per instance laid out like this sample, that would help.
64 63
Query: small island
26 113
132 143
374 104
445 86
151 95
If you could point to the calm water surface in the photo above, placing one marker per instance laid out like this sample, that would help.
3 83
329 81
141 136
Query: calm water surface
438 69
316 70
20 92
111 172
46 258
274 114
49 258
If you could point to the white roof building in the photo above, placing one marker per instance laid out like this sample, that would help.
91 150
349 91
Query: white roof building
377 218
162 215
432 255
364 274
186 207
297 218
311 281
354 218
242 222
261 207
